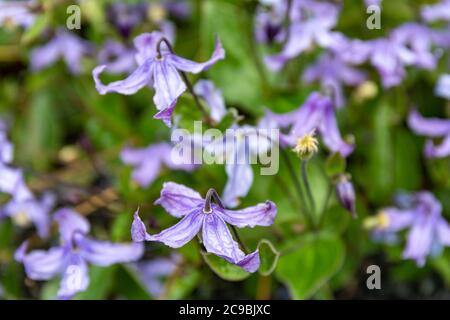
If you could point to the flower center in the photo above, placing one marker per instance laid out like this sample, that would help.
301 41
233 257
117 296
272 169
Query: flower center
21 219
307 145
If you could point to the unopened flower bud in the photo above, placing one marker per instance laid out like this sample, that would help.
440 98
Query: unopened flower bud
306 146
346 194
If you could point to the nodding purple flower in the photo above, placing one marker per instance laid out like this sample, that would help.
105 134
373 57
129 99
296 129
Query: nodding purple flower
317 113
269 22
311 24
433 128
435 12
125 17
237 148
428 230
64 45
29 210
346 194
443 86
71 258
418 38
117 57
332 73
389 58
147 162
200 214
160 68
206 90
17 13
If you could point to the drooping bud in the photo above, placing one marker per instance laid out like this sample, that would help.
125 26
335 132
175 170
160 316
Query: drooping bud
346 194
306 146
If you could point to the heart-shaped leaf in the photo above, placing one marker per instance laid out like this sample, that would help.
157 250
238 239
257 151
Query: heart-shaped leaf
268 256
305 270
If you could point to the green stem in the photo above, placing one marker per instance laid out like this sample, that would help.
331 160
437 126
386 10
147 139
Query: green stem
297 186
325 205
307 186
239 240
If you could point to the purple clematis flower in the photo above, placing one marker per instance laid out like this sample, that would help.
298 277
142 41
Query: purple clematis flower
269 21
201 215
332 73
438 11
443 86
317 113
125 17
433 128
311 24
64 45
159 68
206 90
117 57
71 258
17 13
428 230
418 38
148 162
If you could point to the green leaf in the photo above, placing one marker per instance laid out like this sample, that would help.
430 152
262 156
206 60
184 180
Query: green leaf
36 29
181 286
129 285
336 219
224 269
268 256
234 27
307 269
335 165
100 283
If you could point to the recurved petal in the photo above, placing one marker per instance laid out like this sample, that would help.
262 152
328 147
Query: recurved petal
178 200
217 239
262 214
196 67
168 85
138 229
133 83
103 253
183 232
431 127
41 264
438 151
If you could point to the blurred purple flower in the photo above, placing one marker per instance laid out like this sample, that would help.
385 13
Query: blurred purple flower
236 148
438 11
316 113
332 73
433 128
125 17
147 162
269 22
152 272
443 86
311 24
185 203
117 57
428 230
158 70
25 211
348 50
418 38
64 45
18 13
213 98
71 258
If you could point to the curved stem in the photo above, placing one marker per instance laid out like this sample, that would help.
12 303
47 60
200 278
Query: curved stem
238 238
308 187
185 78
297 186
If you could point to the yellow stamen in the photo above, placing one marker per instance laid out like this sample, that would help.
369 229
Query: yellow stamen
306 146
